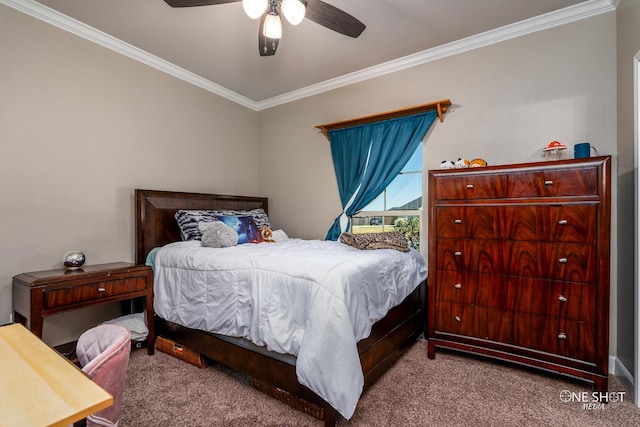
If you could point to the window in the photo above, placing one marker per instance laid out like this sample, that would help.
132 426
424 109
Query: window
398 207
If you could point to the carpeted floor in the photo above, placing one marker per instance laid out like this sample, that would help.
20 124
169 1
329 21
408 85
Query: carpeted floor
452 390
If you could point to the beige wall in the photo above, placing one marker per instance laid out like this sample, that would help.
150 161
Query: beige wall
628 44
80 128
510 100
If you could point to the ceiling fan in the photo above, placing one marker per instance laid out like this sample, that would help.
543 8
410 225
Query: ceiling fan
295 11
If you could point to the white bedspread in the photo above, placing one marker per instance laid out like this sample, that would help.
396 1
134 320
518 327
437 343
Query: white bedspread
310 298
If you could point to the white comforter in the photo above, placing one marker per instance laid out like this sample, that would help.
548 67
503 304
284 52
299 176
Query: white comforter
310 298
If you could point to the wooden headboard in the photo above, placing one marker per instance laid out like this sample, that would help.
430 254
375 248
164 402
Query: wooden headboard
155 214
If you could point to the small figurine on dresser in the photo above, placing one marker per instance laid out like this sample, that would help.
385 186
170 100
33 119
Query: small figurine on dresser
462 164
447 164
478 163
553 149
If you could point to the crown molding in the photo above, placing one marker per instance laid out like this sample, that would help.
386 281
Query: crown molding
55 18
539 23
532 25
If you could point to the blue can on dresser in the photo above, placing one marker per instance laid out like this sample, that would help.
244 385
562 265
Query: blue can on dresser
582 150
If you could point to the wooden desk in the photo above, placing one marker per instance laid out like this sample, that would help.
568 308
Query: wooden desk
39 387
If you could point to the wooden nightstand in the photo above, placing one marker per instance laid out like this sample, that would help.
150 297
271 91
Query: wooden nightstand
39 294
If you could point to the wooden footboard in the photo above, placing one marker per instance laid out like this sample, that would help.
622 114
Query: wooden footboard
389 338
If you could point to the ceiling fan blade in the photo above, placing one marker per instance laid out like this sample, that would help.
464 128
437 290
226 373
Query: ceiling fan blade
190 3
333 18
266 46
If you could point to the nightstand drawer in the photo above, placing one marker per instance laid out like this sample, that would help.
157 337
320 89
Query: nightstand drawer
79 294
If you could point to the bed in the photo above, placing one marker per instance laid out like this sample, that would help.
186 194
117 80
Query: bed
272 372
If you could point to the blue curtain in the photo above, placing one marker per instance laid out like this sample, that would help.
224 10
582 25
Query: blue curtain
368 157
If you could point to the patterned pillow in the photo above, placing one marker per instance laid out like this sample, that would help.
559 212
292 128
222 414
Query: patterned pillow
188 220
259 216
245 226
388 240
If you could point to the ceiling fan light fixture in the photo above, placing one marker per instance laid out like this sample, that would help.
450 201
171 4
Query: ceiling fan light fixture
294 10
255 8
272 25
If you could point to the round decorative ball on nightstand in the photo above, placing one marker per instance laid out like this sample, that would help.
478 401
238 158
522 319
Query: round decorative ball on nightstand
73 260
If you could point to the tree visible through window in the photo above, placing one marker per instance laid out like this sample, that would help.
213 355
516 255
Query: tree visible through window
398 207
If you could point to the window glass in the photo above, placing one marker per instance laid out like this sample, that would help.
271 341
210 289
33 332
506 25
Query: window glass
398 207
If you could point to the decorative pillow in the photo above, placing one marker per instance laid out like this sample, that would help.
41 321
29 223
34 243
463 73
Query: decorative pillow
245 226
188 220
259 216
279 236
390 240
217 234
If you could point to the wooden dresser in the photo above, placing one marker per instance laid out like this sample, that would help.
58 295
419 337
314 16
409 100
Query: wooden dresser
519 264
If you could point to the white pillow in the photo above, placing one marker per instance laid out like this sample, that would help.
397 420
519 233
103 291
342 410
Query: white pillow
279 236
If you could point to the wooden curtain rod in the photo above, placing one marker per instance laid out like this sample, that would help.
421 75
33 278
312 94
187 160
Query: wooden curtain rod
441 106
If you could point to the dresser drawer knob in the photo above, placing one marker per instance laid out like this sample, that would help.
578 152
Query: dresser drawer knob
563 222
469 186
548 182
457 221
458 319
457 253
562 336
562 298
102 289
458 286
562 260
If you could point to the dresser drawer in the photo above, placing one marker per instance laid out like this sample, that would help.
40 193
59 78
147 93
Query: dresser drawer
469 186
564 300
568 338
477 222
571 262
469 255
466 287
62 297
550 223
462 319
546 223
553 183
555 261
